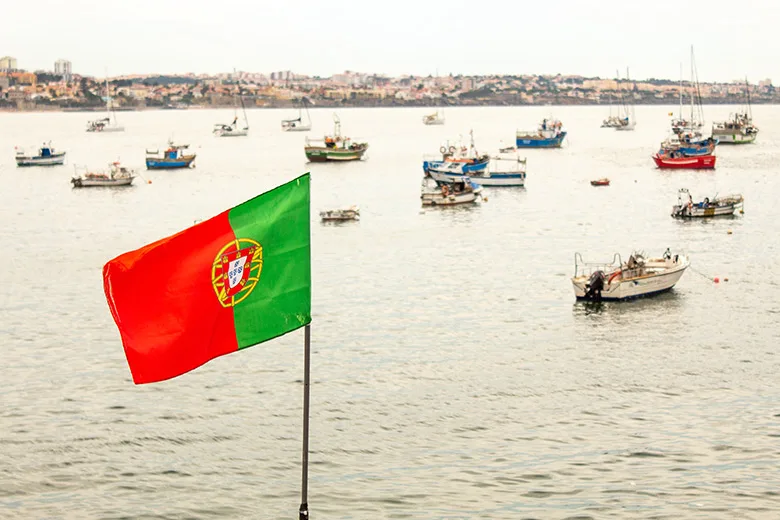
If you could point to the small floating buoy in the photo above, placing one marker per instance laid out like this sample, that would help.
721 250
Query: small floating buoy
149 181
484 199
725 279
728 232
716 280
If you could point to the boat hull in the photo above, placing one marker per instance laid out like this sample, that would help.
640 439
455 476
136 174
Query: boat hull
169 164
735 138
320 154
535 141
452 199
52 160
455 167
106 129
634 287
232 133
79 182
515 179
301 128
699 212
702 162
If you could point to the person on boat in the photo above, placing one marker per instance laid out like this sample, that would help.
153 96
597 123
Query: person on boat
329 142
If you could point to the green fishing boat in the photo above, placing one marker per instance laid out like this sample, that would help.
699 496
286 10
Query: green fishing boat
334 147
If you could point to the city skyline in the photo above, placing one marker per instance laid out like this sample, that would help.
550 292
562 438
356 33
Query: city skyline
458 37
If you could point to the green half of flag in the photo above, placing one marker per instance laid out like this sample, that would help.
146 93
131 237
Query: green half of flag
233 281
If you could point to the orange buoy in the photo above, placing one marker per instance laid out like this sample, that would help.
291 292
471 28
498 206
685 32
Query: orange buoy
716 280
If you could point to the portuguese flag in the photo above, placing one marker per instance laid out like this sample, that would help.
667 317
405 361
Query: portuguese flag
231 282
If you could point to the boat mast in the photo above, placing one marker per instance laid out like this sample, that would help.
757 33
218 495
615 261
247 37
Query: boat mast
109 105
681 116
698 89
747 94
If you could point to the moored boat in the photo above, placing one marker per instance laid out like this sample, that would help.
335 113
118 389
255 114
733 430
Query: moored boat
501 171
108 123
298 124
550 134
334 147
437 118
688 145
234 129
717 207
340 215
676 160
637 277
600 182
117 175
46 156
457 159
739 127
173 157
462 191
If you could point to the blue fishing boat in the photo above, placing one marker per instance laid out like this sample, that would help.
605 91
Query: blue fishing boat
550 134
173 157
458 159
688 146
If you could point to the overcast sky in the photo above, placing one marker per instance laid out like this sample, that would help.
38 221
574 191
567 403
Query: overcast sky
397 37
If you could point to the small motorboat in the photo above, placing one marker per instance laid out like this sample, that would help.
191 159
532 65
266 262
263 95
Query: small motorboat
677 160
117 175
340 215
437 118
173 157
717 207
46 156
639 276
600 182
462 191
502 171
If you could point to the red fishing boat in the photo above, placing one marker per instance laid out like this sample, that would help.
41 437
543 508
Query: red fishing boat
600 182
697 162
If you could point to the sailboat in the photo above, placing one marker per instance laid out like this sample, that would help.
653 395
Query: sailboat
106 124
696 120
233 129
627 114
298 124
738 128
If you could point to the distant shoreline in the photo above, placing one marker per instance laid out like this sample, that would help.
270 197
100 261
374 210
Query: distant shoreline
318 104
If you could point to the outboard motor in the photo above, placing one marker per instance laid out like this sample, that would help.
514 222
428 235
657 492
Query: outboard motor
594 286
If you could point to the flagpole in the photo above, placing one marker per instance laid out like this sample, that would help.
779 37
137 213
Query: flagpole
303 511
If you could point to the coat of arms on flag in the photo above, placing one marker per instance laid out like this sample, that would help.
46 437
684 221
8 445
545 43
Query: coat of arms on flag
236 270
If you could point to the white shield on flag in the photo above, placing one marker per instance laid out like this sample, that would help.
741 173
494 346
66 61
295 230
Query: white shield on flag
236 271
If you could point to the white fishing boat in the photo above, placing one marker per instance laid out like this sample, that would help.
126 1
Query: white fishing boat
116 175
437 118
637 277
298 124
501 171
463 191
108 123
739 127
340 215
234 129
719 206
46 156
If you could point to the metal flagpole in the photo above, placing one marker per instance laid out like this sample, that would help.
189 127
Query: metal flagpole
303 511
